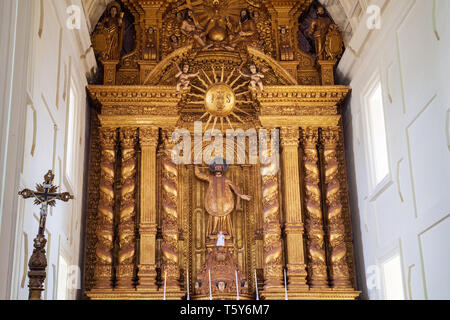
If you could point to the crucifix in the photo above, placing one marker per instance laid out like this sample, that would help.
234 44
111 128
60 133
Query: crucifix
44 195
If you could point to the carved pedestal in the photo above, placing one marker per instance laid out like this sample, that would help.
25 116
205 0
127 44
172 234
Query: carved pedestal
145 68
220 274
327 71
109 73
37 266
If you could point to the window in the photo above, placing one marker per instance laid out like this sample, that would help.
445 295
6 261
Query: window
378 150
62 278
393 279
71 134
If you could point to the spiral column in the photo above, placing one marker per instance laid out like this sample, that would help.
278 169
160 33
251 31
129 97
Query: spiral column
317 266
103 270
339 270
273 251
169 247
127 218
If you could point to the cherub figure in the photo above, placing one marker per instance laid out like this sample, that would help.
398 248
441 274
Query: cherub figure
255 78
175 44
184 77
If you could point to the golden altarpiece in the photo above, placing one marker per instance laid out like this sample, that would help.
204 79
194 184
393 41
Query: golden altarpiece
232 65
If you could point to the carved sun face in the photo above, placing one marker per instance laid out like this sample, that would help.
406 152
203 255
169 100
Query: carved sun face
220 96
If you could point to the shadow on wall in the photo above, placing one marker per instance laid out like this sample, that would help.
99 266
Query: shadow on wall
360 268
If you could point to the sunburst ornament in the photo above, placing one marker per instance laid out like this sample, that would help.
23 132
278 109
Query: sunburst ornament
221 97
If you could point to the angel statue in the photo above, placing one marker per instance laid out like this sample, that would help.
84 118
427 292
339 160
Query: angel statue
184 77
255 78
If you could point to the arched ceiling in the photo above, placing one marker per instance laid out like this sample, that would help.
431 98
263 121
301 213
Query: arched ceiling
345 13
93 10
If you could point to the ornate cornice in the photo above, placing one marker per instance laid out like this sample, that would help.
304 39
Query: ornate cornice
136 105
301 106
138 120
301 96
145 96
300 121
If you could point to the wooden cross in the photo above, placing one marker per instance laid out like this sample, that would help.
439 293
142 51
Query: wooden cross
45 195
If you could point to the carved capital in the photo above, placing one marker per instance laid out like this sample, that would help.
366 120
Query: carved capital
108 138
310 137
330 137
128 137
290 136
167 138
149 136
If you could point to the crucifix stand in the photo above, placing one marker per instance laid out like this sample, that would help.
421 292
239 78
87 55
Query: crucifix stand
45 195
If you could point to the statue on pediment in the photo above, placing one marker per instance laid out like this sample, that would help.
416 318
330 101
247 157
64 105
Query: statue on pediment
108 36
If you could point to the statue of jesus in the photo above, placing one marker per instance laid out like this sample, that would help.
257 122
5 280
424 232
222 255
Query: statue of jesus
219 201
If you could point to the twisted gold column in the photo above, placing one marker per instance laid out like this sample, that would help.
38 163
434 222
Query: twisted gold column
292 204
105 215
148 137
273 267
317 268
127 223
339 270
169 246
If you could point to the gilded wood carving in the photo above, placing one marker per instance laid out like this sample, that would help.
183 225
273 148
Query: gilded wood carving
231 64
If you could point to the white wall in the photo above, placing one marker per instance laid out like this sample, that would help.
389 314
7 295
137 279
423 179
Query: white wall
408 215
49 56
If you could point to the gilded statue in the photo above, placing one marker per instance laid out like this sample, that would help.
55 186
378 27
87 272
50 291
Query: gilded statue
218 25
149 51
286 51
219 201
255 78
192 29
220 19
246 29
109 33
319 29
184 77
